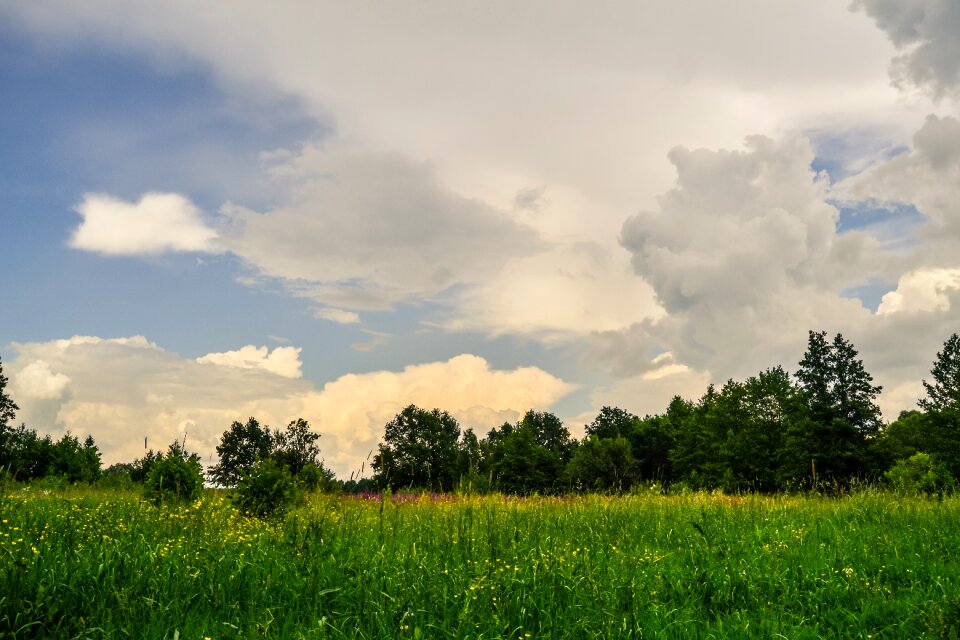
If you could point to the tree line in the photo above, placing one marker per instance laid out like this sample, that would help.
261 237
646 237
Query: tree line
772 432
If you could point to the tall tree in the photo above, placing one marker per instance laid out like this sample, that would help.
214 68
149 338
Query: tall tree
530 457
612 422
844 418
419 449
944 391
297 448
8 409
942 407
241 446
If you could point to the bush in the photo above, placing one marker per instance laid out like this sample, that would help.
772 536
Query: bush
175 477
921 474
266 491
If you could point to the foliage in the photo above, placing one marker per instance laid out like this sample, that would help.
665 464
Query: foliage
25 456
921 474
530 456
603 464
241 446
8 408
266 490
944 392
419 450
296 448
175 477
844 417
612 422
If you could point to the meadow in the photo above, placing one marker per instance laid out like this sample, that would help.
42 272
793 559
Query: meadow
97 564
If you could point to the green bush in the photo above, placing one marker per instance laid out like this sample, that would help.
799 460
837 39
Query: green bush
266 491
921 474
175 477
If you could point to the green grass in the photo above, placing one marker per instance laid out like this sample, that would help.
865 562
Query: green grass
107 565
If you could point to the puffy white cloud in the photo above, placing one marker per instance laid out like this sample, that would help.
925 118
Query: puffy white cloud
744 256
157 223
352 410
923 290
36 381
122 390
283 361
926 31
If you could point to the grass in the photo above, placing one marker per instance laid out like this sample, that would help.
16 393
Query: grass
88 564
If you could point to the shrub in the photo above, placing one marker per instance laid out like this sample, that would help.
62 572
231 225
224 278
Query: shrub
175 477
266 490
921 474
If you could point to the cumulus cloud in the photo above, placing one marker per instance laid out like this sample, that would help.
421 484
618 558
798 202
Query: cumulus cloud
156 223
283 361
122 390
37 381
744 256
924 290
926 32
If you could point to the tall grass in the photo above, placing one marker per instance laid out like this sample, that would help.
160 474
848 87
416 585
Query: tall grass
107 565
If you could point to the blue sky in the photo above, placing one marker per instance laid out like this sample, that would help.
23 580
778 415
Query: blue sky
335 213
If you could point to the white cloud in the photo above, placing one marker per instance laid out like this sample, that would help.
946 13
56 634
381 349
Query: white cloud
122 390
744 256
157 223
36 381
283 361
924 290
340 316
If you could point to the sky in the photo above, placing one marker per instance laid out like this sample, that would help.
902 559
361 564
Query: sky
326 210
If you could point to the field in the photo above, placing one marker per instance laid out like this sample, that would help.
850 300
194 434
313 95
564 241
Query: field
94 564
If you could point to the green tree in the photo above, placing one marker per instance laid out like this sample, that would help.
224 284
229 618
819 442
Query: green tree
530 456
603 464
8 408
266 490
612 422
176 476
419 449
241 446
296 448
844 419
944 392
920 473
74 461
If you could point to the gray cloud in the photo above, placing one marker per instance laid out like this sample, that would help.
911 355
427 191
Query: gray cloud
367 230
927 33
744 256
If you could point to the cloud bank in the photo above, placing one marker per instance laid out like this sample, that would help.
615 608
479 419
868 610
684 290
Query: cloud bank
124 389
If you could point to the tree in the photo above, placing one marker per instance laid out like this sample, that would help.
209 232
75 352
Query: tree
176 476
603 464
844 419
530 457
8 409
944 392
419 449
241 446
296 448
611 422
